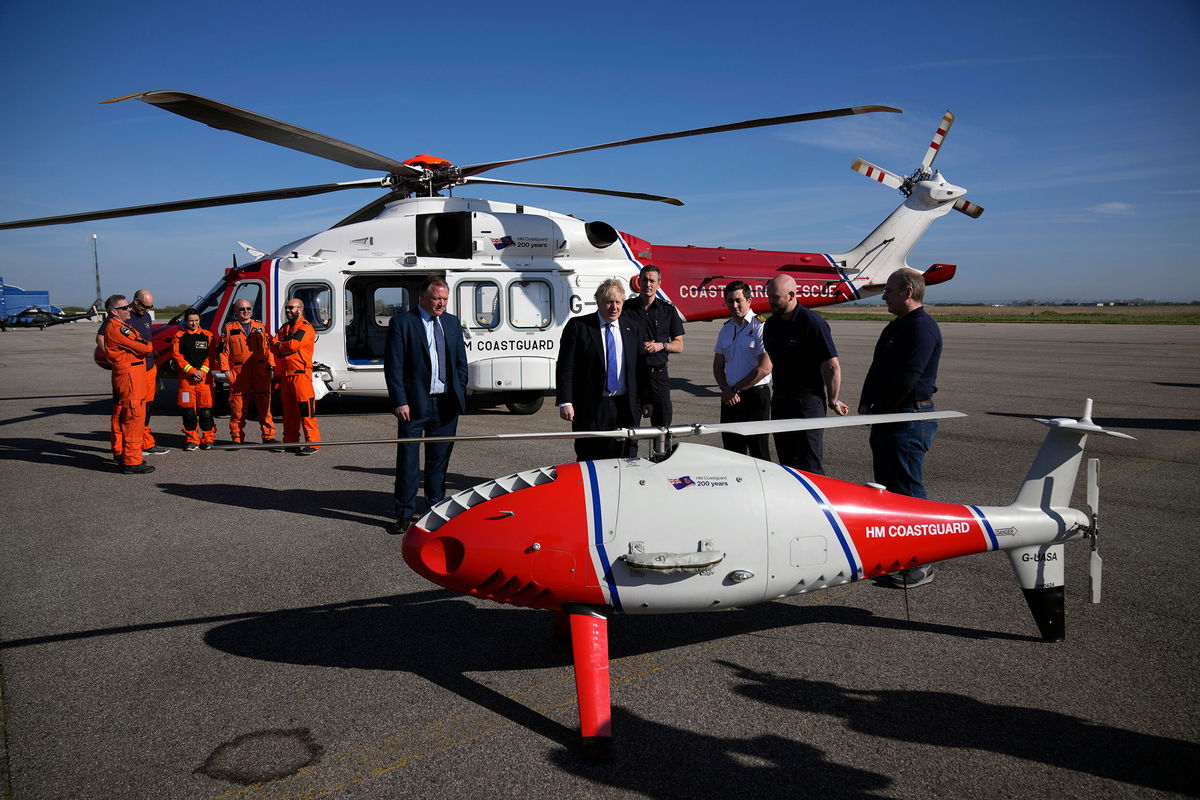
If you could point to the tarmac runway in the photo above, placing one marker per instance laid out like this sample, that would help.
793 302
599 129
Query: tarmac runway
239 624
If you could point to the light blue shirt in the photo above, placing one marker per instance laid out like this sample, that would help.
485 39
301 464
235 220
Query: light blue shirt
435 386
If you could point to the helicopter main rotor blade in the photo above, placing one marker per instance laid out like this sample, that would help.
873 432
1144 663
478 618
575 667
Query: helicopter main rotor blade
256 126
475 169
200 202
370 210
612 192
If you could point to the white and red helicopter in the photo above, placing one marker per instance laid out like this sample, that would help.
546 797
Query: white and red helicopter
696 528
517 274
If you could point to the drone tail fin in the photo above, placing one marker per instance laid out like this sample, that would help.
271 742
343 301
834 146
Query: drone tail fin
1047 491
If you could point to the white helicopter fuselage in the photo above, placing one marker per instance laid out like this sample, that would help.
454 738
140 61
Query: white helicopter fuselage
516 275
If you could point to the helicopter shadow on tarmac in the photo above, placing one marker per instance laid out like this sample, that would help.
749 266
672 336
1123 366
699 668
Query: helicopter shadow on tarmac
957 721
444 639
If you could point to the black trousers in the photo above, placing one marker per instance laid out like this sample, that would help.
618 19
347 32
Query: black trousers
801 450
610 413
660 397
755 405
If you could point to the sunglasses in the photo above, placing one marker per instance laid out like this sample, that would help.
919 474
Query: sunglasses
120 308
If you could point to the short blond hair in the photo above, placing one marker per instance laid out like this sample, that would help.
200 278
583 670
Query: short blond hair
611 289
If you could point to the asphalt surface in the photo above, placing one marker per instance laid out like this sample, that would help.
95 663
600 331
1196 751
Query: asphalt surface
239 625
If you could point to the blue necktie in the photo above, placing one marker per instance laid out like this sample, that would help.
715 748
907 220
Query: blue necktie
610 354
439 346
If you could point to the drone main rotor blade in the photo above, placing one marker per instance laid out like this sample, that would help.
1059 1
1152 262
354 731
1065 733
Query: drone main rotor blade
256 126
475 169
612 192
676 431
200 202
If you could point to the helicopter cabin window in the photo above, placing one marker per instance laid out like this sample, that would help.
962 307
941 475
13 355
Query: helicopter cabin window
318 304
479 303
251 292
529 304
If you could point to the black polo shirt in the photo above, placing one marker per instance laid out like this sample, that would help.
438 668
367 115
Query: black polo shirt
798 347
660 322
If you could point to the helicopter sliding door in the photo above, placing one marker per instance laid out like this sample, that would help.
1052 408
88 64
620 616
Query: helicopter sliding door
371 301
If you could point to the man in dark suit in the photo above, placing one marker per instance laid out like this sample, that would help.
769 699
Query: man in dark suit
600 359
425 365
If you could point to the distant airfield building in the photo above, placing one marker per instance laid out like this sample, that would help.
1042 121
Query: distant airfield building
14 299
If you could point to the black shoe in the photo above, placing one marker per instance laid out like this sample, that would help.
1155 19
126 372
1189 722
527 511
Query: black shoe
401 526
206 445
277 449
306 451
157 450
272 440
189 447
136 469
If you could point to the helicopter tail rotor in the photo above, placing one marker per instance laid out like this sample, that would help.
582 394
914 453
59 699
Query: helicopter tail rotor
922 173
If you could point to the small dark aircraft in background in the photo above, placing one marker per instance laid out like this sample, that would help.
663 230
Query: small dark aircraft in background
38 317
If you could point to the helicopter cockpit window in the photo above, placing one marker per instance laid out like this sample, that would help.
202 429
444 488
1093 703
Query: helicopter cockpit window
530 304
208 305
479 304
318 304
250 291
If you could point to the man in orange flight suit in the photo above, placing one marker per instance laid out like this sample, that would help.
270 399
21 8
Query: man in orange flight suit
126 351
246 358
194 351
293 349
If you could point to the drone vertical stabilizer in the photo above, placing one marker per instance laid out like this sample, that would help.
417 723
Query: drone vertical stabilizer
1047 492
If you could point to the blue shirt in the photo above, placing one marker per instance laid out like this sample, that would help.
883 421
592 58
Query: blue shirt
435 385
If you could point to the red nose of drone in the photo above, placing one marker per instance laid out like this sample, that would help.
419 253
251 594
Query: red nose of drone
521 540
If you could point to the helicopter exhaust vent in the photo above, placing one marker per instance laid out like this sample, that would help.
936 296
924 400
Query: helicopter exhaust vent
600 234
454 505
445 235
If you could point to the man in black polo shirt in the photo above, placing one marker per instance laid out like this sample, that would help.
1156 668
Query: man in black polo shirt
903 377
805 370
664 335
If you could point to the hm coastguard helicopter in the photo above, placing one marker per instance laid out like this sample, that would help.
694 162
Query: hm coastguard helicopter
516 273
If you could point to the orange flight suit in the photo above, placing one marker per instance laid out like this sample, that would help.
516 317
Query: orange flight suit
195 353
126 351
293 349
248 361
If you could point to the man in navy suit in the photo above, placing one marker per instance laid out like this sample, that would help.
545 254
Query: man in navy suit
600 359
425 365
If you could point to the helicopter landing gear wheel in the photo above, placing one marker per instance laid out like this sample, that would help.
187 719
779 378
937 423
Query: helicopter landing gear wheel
525 403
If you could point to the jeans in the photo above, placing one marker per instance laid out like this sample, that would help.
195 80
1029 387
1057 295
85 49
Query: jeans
899 450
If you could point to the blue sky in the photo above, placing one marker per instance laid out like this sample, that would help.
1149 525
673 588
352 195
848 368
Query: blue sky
1077 128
